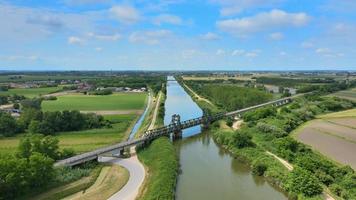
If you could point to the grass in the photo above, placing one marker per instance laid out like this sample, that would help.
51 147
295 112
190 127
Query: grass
83 141
31 92
162 162
346 94
111 179
70 188
346 113
117 101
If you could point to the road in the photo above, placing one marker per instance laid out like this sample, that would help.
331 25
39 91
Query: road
134 166
137 176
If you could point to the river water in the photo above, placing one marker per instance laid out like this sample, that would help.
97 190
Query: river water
208 171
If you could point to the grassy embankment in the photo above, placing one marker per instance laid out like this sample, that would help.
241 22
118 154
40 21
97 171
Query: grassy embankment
346 94
275 171
101 183
161 163
32 92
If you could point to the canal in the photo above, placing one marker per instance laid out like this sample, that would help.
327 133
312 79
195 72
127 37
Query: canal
208 171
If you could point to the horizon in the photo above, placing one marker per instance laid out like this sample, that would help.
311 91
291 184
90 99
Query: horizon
241 35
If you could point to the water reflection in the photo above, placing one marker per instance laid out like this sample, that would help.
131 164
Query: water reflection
209 172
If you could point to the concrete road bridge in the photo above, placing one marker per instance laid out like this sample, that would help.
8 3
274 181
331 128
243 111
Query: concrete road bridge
174 129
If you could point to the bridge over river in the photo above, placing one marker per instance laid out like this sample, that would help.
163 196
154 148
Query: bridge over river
174 129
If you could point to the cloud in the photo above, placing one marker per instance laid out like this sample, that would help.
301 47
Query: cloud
106 37
149 37
238 52
189 53
251 54
262 22
85 2
20 24
98 49
209 36
75 40
276 36
125 14
167 19
220 52
282 53
21 57
322 50
307 45
232 7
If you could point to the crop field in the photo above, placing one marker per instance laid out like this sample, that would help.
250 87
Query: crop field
346 94
83 141
31 92
117 101
334 135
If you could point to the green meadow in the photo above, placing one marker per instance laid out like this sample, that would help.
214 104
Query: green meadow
86 140
116 101
31 92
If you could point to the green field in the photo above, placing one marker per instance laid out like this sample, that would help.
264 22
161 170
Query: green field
117 101
346 94
82 141
31 92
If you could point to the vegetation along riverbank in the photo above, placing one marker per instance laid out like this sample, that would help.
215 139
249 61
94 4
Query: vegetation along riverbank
268 129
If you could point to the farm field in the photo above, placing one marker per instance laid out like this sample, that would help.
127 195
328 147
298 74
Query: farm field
117 101
31 92
346 94
86 140
333 135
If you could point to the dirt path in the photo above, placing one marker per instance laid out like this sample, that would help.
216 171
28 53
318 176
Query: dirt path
326 194
237 124
153 122
57 94
199 97
284 162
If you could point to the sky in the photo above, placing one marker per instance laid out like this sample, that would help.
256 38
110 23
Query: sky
178 35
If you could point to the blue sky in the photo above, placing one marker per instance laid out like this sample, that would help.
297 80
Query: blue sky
178 35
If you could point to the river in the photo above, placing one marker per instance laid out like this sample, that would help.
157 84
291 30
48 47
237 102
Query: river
208 171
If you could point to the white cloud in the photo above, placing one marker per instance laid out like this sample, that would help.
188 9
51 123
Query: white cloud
323 50
21 57
107 37
220 52
167 19
238 52
210 36
98 49
149 37
125 14
276 36
251 54
263 21
282 53
231 7
85 2
307 45
189 53
76 40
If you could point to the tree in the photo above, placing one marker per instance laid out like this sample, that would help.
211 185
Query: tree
242 139
8 125
47 146
259 168
302 181
16 106
41 169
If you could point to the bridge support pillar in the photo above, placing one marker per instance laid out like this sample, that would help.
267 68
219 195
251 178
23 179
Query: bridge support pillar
177 135
121 152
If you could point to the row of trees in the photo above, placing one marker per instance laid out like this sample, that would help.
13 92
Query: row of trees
230 97
34 120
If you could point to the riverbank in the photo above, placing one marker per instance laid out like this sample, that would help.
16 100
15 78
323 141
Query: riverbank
258 139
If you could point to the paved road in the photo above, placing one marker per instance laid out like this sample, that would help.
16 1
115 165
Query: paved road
137 176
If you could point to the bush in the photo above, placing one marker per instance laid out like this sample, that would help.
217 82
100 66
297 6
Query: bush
241 139
259 168
302 181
